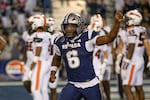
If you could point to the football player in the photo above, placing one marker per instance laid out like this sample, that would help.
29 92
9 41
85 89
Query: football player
39 69
28 53
76 48
120 51
133 62
102 56
51 28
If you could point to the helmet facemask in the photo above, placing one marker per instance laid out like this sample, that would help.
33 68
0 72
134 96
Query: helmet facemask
72 25
70 31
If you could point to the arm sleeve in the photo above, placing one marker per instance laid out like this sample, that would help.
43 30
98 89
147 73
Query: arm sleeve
90 44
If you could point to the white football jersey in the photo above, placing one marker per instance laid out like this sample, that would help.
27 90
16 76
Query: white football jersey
109 49
110 58
136 35
99 50
134 73
42 39
123 36
29 53
28 41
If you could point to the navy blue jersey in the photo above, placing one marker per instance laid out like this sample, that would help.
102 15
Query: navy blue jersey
77 59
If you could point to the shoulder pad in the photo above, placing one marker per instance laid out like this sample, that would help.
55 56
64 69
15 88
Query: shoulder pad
58 37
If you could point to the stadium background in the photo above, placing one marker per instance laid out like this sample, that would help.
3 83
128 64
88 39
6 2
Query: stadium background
10 67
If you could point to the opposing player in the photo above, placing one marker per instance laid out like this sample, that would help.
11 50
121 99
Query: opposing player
102 57
28 53
39 69
133 62
110 50
2 43
76 48
120 51
100 52
51 28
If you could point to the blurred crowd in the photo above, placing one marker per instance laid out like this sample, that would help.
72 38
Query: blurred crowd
14 13
100 6
13 21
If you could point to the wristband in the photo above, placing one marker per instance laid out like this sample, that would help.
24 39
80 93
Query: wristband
54 68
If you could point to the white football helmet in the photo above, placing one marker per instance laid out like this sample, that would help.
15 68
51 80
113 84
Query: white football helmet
134 17
37 21
96 22
50 24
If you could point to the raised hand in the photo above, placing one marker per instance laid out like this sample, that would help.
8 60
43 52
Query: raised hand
119 16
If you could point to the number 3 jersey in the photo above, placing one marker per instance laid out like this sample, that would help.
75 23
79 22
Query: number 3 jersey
136 35
77 56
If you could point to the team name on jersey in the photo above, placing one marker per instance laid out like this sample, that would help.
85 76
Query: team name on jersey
72 45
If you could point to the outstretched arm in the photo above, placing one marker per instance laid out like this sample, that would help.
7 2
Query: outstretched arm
113 33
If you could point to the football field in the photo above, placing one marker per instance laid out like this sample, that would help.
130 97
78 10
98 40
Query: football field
15 90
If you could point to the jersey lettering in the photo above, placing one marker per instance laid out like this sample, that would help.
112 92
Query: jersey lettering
141 39
29 46
97 54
